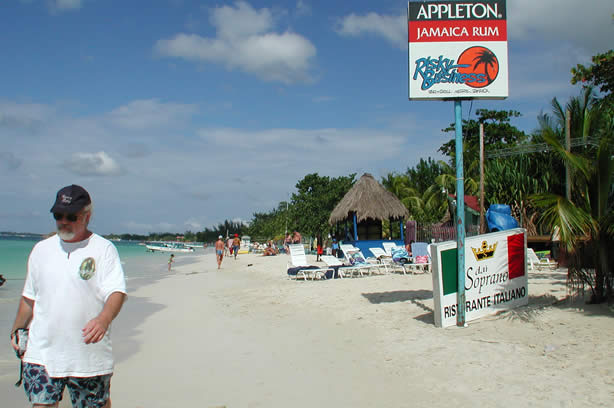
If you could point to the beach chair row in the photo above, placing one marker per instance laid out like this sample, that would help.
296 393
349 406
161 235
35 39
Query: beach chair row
356 264
420 261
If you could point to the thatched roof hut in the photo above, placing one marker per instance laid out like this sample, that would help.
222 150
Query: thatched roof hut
368 199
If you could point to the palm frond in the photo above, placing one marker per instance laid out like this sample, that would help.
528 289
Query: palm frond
573 222
578 162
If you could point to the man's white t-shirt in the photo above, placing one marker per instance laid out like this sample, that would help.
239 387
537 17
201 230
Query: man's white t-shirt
70 283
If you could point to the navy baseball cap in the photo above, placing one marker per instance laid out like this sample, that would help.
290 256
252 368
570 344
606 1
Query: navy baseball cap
70 200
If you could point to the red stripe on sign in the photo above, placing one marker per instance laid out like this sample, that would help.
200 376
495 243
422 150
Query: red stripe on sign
515 255
472 30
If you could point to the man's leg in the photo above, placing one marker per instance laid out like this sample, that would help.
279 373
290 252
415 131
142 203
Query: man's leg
90 391
42 390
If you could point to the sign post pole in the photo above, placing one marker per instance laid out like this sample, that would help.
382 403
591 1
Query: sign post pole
460 214
458 50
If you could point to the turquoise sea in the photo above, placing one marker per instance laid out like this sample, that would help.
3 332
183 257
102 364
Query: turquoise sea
137 262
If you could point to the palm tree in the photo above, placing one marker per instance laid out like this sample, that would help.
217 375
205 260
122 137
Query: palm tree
486 58
585 220
513 180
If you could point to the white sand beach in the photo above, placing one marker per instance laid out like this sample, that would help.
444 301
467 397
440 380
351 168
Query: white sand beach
247 336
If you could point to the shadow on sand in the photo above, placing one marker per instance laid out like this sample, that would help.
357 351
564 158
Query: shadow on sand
398 296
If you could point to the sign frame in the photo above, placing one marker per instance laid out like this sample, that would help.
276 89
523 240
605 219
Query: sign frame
457 50
497 281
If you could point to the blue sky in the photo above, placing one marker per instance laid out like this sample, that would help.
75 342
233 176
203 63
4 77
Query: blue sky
179 114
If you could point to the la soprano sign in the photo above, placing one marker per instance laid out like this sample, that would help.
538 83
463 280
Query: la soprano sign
457 49
495 275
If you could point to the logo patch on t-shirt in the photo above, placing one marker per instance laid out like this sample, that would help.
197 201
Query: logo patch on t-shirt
87 268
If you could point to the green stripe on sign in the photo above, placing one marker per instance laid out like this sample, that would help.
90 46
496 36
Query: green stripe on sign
449 272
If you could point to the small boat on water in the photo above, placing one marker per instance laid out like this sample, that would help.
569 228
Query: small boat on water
193 245
168 247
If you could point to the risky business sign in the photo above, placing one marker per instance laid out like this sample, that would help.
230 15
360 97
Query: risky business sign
457 49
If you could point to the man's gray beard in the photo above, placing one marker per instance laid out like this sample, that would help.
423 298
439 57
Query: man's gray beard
65 235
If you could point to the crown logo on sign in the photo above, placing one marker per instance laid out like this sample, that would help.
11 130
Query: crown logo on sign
485 251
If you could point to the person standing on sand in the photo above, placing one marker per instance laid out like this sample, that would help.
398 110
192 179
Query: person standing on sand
236 244
170 261
319 252
219 251
74 288
296 238
335 247
229 246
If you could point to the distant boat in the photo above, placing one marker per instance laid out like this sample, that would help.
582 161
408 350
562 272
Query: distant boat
168 247
193 245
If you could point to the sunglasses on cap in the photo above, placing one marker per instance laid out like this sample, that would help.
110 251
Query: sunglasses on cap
69 217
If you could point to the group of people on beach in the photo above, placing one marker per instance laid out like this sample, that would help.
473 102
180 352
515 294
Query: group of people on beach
294 238
232 246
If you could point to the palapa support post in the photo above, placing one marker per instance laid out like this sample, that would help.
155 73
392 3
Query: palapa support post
460 214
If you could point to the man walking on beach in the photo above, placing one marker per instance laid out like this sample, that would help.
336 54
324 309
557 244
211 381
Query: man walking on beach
219 251
236 244
74 288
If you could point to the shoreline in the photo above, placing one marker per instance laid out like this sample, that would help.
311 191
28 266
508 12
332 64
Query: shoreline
247 336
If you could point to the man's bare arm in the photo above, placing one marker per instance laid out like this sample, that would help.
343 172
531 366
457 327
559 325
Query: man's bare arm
23 318
96 328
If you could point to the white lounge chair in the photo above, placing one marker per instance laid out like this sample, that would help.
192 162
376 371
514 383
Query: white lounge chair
298 259
355 260
333 262
536 263
388 246
387 261
379 253
420 254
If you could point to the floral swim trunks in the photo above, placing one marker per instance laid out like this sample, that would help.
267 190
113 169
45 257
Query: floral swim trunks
84 391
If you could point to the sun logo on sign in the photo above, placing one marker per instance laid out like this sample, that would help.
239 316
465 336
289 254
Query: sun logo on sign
481 61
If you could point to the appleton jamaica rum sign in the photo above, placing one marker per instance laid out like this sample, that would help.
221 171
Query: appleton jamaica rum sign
457 49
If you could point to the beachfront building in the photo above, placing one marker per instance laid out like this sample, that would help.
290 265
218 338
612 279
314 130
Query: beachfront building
361 212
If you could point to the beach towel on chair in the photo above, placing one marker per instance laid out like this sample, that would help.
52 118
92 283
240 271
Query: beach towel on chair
400 255
421 259
357 259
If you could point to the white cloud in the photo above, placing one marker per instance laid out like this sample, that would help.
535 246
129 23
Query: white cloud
92 164
393 28
134 226
24 115
587 25
246 40
295 152
241 21
303 8
319 99
58 6
143 228
194 225
9 161
67 4
150 114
